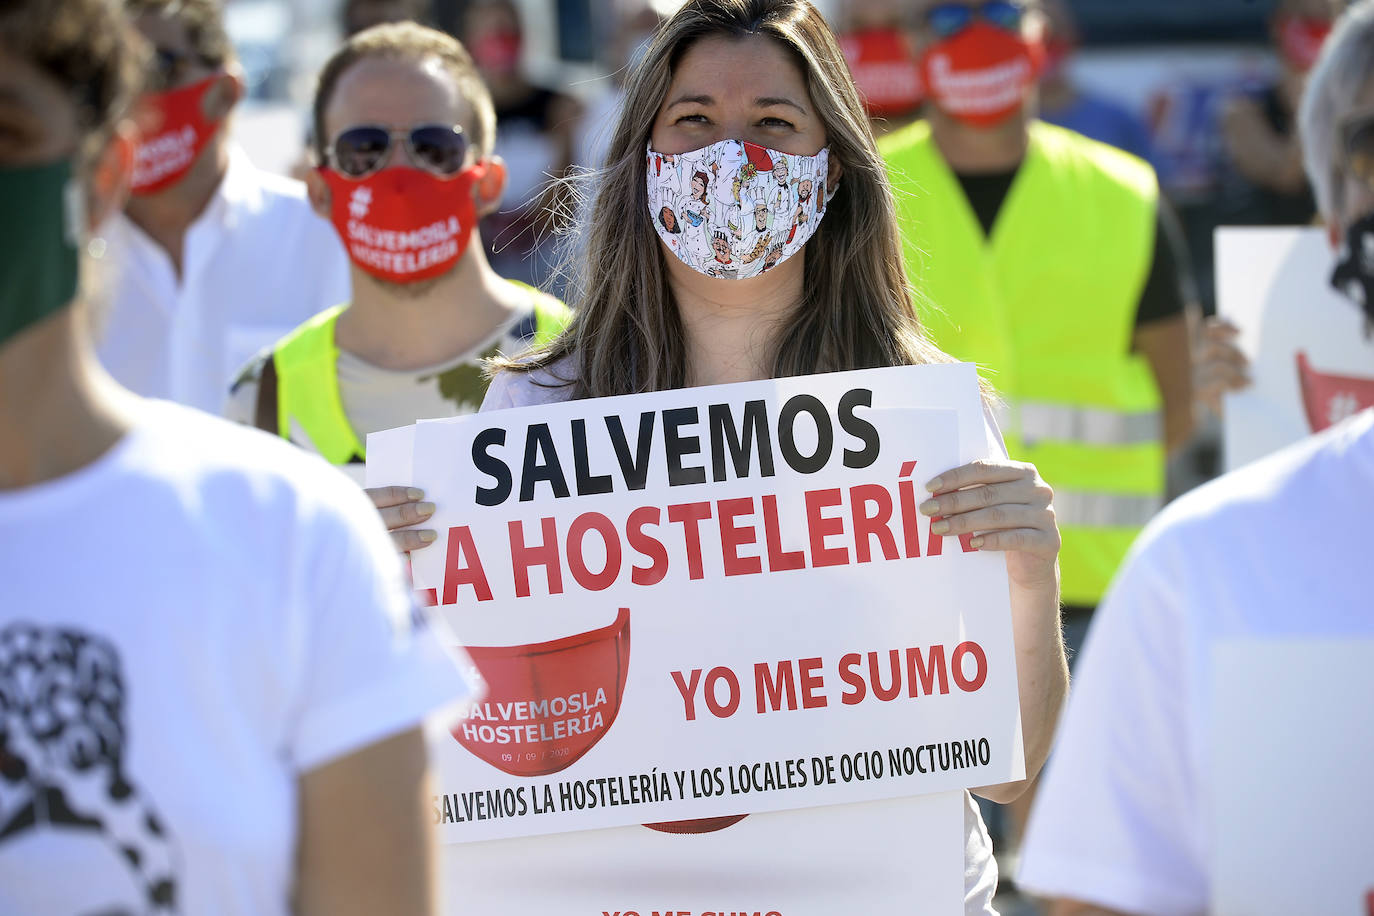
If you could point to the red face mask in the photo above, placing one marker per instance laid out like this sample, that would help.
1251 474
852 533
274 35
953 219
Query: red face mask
982 75
547 703
404 225
1300 40
178 136
497 52
884 69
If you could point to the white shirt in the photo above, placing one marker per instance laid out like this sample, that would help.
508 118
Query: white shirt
1275 550
256 263
375 399
188 625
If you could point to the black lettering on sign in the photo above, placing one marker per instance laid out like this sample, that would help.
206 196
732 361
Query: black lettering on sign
752 436
680 446
859 428
541 463
636 470
587 485
787 441
494 468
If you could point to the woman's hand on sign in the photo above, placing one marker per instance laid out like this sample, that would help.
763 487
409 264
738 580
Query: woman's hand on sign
1005 506
1218 366
402 508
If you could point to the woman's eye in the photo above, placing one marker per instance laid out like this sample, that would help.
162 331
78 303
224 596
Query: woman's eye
694 118
776 122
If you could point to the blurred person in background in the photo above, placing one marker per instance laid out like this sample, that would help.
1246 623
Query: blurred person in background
1067 104
1266 184
210 671
632 29
407 131
358 15
1008 221
881 54
1042 255
1122 822
537 131
1260 132
218 258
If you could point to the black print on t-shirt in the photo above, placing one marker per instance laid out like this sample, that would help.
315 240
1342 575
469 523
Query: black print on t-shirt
62 754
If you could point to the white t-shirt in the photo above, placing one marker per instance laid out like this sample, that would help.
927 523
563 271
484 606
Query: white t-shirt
256 263
375 399
1278 549
188 625
510 389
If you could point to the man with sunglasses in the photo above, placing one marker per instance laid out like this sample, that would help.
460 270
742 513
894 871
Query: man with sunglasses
1044 257
1261 560
404 129
216 258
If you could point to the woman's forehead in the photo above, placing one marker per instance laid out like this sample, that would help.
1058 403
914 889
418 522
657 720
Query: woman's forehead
730 70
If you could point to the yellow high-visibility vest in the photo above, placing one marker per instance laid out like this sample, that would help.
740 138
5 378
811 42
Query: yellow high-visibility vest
306 365
1046 306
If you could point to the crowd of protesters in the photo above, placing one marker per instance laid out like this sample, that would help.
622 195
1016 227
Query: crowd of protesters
207 649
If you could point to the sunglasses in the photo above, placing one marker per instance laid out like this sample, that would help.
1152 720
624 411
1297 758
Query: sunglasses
359 151
1357 140
170 68
949 19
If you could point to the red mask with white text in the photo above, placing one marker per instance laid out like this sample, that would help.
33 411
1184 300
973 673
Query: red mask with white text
178 134
884 69
1301 39
497 52
982 75
404 225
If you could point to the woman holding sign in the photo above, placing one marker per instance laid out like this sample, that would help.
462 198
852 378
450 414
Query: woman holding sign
804 275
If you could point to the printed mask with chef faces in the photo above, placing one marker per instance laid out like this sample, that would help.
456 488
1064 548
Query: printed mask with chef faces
548 703
734 209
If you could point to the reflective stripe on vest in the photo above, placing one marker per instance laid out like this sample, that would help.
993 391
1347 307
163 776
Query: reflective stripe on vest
310 407
1103 510
1034 422
1046 306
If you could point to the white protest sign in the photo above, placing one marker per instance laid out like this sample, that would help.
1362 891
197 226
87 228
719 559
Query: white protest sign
807 862
1292 812
902 854
799 637
1310 360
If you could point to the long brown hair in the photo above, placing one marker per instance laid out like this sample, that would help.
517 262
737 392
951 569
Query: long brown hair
856 309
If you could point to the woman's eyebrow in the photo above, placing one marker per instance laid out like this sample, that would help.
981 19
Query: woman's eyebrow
692 99
768 101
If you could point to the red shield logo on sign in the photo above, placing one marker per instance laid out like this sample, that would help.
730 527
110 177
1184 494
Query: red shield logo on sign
547 703
1328 399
